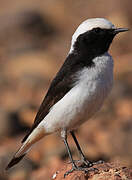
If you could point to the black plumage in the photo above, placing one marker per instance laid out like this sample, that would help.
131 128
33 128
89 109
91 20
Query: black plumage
14 161
87 46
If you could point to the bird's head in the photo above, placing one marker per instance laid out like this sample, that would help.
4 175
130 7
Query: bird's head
94 36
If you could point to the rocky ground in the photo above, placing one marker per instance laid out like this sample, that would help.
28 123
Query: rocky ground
105 171
34 41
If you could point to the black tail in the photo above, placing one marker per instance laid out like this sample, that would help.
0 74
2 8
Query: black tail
14 161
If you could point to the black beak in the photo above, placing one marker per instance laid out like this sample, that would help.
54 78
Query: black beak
118 30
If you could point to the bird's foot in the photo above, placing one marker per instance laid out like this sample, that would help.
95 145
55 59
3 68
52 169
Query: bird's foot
83 163
79 168
89 163
86 163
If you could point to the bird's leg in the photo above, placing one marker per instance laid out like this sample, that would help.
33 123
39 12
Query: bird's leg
74 167
83 158
64 138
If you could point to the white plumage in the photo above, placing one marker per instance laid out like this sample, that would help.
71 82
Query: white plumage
84 99
91 85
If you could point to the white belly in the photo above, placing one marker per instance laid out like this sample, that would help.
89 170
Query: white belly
83 100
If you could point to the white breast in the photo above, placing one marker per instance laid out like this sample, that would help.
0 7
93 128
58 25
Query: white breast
95 84
84 99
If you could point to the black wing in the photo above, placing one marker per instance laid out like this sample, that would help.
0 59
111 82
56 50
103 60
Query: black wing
60 85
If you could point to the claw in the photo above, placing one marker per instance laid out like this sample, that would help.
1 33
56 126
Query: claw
90 164
87 163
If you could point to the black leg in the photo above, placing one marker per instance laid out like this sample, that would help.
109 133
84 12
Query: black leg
74 167
64 138
83 158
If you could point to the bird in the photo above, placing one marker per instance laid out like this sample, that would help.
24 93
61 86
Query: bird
78 90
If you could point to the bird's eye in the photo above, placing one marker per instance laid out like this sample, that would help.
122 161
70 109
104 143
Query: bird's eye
97 30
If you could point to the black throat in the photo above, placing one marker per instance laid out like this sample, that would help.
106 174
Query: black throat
92 44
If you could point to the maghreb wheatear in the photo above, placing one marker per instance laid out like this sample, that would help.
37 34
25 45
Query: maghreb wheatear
78 90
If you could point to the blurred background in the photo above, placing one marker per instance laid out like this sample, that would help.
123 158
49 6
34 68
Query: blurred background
34 41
